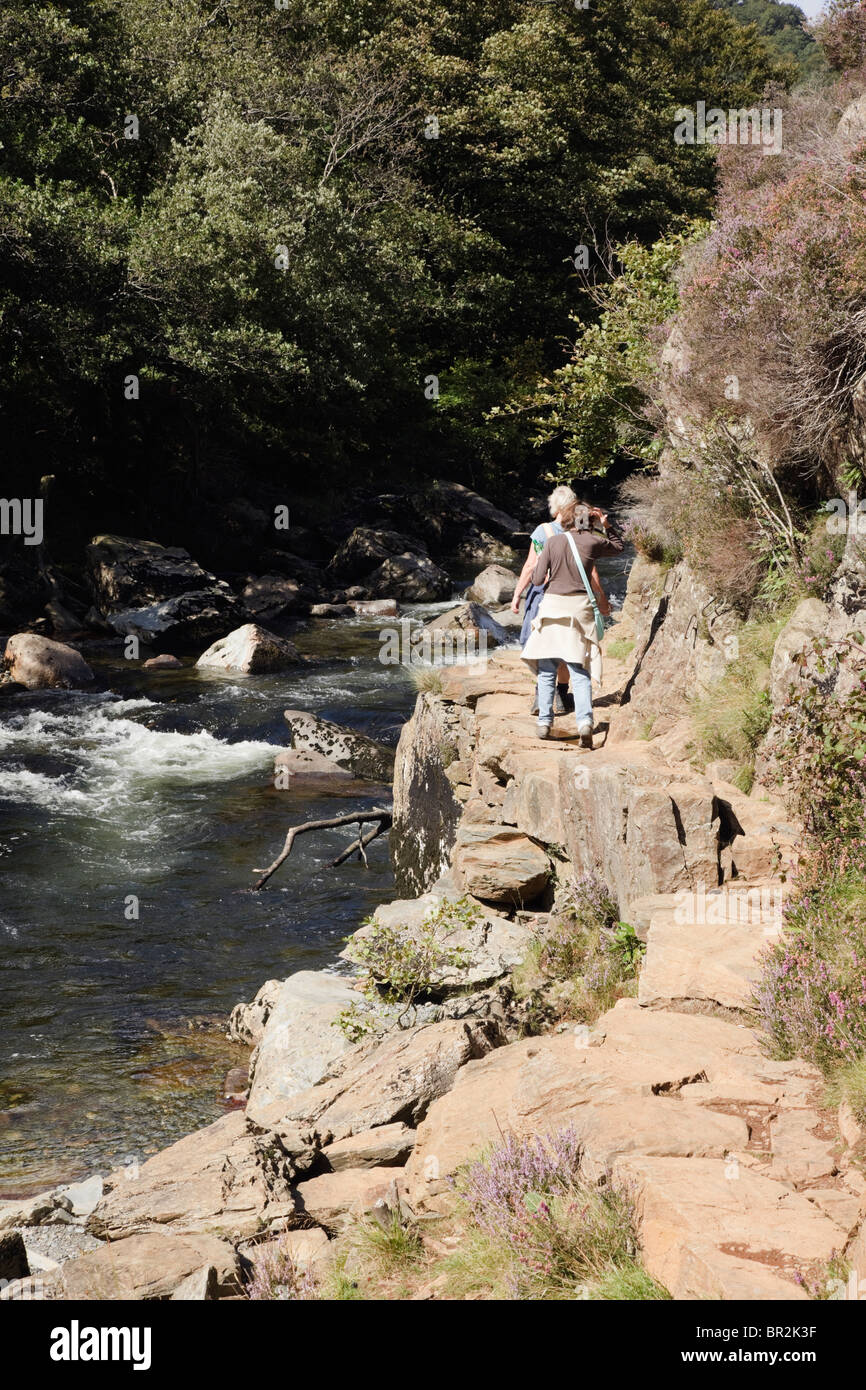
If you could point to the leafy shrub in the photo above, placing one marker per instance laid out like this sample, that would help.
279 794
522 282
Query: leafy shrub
404 964
812 992
551 1234
588 950
276 1276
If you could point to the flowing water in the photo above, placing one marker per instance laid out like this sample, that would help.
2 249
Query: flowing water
131 822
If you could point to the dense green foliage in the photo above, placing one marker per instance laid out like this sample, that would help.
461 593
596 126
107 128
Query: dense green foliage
284 258
782 26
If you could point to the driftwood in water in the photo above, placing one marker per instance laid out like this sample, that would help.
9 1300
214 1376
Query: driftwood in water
380 817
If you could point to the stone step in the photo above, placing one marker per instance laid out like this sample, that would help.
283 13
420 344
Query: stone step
715 963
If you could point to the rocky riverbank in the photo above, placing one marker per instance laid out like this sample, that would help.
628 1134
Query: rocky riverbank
364 1106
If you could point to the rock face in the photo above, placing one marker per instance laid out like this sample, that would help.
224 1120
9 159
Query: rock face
374 1148
152 591
224 1180
300 1041
38 663
492 587
247 1021
499 864
251 650
426 811
360 756
154 1265
384 1082
808 621
409 578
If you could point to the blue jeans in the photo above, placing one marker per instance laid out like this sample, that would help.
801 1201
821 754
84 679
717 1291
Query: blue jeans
581 687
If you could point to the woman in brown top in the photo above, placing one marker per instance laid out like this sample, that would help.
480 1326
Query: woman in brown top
564 628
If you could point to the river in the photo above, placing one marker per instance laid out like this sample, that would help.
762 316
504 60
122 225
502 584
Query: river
160 789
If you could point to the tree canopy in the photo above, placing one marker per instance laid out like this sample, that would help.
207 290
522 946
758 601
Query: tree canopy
302 242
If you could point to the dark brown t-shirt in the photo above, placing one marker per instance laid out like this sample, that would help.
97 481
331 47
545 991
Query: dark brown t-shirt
557 559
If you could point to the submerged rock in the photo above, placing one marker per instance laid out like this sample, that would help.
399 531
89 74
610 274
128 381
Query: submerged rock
357 754
38 663
163 662
251 650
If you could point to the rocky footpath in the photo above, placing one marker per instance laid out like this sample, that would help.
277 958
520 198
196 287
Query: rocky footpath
744 1185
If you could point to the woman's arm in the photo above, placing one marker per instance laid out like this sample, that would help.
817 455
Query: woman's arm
525 576
542 565
601 596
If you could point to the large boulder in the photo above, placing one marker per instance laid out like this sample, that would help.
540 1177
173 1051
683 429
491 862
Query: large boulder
300 1039
409 578
251 650
336 1200
382 1147
269 596
476 948
380 1082
457 497
38 663
359 755
499 864
224 1179
296 769
152 1265
492 587
367 548
154 591
478 628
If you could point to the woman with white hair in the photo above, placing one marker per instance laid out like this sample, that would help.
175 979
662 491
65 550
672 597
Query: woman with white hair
559 499
569 624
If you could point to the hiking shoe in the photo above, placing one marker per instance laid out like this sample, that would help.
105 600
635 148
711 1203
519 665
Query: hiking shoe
542 730
533 709
559 705
584 731
566 699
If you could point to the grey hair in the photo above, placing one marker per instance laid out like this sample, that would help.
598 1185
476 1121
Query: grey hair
559 498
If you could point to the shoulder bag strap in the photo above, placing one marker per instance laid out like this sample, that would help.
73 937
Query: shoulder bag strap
599 620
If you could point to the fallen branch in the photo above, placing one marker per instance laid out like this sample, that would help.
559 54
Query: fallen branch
380 816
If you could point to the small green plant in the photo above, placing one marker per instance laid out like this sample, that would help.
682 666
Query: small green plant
404 964
731 718
626 947
619 648
355 1023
